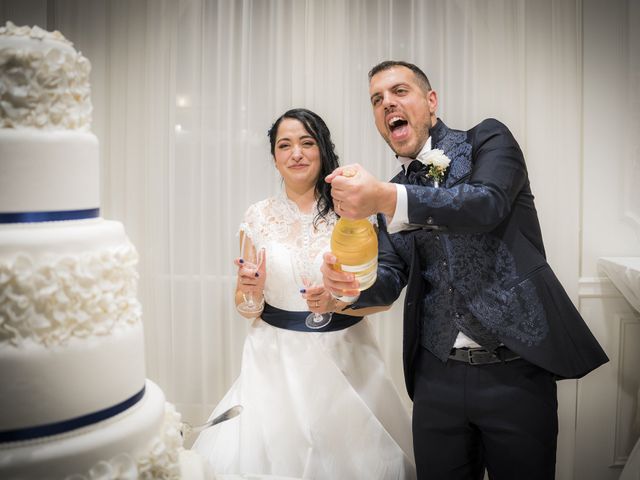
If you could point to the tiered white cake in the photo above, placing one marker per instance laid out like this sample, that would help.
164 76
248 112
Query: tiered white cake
74 400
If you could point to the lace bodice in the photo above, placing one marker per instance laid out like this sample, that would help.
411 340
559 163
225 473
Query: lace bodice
277 225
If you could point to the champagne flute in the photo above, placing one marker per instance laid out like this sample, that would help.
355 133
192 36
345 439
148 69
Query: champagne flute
251 259
307 276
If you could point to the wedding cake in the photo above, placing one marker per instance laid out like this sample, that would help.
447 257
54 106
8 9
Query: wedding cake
74 399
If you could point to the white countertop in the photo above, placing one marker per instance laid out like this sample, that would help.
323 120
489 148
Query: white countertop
624 272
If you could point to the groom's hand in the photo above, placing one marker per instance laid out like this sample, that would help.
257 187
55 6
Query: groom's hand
339 283
358 194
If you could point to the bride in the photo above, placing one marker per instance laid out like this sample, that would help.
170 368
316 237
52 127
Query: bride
317 403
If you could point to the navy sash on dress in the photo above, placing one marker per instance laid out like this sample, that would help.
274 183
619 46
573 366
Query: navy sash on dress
57 428
295 320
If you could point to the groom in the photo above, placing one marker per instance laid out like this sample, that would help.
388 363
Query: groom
487 326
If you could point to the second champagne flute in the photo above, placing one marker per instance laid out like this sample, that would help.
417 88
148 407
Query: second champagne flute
306 276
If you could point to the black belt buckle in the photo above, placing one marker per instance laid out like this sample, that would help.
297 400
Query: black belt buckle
481 356
471 353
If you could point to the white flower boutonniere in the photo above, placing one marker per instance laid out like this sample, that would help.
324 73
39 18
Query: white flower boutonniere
437 163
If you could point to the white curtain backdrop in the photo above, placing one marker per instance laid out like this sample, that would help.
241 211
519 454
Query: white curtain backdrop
185 90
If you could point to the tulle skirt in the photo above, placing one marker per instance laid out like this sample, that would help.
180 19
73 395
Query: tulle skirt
315 406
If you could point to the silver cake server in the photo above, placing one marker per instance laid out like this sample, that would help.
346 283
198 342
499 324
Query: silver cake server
226 415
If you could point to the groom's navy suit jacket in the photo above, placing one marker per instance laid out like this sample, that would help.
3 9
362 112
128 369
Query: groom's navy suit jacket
476 255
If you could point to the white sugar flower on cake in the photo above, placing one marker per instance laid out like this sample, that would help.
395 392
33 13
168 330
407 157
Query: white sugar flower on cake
10 29
44 82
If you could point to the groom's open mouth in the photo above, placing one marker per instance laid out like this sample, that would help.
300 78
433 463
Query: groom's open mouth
398 126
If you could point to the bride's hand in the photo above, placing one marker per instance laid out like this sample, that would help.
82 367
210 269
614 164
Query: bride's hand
337 281
319 299
250 279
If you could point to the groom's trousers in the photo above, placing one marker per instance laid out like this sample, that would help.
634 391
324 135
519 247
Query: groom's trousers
498 416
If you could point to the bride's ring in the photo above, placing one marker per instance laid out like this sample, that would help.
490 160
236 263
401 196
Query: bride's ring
339 204
317 303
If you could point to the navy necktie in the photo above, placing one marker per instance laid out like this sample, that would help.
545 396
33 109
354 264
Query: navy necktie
417 174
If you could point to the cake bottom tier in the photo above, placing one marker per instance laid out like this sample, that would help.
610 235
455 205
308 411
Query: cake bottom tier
143 441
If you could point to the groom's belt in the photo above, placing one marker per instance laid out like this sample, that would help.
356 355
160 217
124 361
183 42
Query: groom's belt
480 356
295 320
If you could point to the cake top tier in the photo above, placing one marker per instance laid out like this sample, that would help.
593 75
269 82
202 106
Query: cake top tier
44 81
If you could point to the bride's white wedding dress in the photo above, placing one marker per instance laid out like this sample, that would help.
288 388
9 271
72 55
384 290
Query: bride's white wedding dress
316 405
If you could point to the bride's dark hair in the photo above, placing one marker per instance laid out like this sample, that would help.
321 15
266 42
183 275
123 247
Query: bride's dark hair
315 126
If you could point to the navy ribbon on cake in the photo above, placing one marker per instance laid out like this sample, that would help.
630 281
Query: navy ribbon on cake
31 433
289 320
53 216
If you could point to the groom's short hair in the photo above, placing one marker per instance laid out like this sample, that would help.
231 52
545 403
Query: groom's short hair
387 64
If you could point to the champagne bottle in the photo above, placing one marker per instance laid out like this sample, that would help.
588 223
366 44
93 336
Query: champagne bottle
355 245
